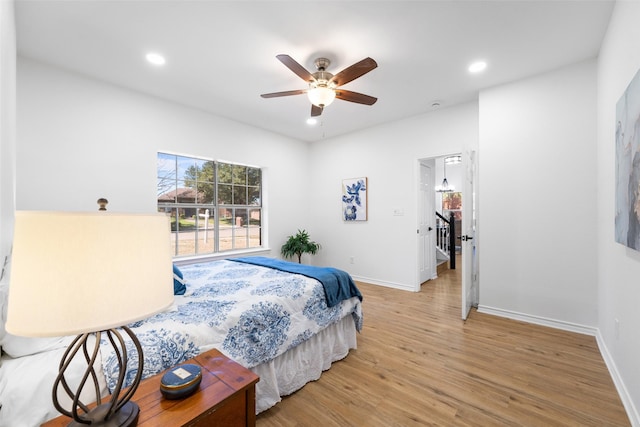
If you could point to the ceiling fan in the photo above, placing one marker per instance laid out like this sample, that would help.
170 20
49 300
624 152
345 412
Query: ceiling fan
324 86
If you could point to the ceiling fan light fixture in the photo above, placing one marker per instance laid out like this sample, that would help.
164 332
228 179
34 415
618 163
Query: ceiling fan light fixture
322 85
321 96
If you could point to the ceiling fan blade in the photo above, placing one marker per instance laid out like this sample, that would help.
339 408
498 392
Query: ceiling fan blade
353 72
315 110
300 71
286 93
360 98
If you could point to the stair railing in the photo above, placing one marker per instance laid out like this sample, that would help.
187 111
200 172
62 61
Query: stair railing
446 237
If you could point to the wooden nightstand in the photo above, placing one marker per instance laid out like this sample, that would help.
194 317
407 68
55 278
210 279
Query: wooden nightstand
226 398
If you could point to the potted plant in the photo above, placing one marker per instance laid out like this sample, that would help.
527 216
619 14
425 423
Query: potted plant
298 245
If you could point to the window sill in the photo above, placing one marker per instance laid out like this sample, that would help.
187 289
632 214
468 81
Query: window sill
220 255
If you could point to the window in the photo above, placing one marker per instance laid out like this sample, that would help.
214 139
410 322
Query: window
214 206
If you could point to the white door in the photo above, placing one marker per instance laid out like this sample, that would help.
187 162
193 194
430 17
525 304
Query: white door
470 291
426 219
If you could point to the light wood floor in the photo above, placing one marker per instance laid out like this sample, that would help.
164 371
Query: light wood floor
417 363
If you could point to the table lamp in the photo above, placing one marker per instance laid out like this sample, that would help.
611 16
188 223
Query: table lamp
77 273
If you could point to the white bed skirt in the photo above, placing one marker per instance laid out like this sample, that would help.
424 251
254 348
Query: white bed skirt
292 370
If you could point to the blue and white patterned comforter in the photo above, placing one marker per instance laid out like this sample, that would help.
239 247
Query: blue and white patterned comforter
250 313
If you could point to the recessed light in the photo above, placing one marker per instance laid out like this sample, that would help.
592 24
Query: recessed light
156 58
477 67
312 121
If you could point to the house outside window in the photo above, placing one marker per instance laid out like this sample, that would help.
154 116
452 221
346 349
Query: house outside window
214 206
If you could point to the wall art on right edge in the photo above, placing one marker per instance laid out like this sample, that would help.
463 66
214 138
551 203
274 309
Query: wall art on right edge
627 220
354 199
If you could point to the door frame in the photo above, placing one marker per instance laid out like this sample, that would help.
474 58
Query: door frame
431 160
473 296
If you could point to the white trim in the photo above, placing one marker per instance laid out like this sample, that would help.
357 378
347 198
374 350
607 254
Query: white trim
209 159
537 320
220 255
401 286
627 401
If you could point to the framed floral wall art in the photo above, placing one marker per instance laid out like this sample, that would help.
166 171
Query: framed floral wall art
354 199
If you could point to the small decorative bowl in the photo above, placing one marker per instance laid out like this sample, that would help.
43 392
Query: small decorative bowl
180 381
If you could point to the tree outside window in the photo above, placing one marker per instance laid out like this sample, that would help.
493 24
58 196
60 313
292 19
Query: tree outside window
214 206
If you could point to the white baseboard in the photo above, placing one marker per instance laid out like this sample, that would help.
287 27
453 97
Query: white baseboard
632 411
400 286
538 320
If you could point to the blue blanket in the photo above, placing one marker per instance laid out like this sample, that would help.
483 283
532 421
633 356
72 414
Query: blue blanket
338 285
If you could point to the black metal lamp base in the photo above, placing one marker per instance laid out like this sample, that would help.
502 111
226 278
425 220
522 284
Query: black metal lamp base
119 411
127 416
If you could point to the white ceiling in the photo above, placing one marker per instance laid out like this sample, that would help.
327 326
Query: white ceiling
221 54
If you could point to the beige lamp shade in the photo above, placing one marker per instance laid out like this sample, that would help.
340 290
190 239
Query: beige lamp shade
76 272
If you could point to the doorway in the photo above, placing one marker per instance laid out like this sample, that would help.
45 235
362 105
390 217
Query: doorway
447 191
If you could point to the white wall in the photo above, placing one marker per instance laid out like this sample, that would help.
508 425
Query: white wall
80 139
537 173
618 267
7 126
384 247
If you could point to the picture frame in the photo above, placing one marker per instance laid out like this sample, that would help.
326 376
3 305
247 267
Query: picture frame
627 167
354 199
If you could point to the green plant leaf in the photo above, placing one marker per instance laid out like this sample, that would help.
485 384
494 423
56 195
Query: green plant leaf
299 244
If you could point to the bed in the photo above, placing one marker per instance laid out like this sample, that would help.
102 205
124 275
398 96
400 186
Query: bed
284 321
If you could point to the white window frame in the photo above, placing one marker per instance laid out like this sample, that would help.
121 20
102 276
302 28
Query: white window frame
241 228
